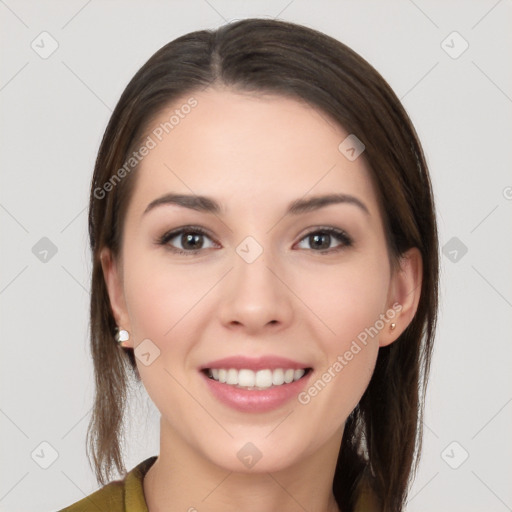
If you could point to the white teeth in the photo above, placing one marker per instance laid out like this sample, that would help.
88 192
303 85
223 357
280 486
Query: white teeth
245 378
288 376
298 374
278 377
262 379
232 377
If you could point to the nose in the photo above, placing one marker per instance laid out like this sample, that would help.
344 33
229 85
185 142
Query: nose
255 297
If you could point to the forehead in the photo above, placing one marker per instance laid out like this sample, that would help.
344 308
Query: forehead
240 147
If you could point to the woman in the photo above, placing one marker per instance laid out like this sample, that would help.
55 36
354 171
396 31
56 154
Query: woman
265 263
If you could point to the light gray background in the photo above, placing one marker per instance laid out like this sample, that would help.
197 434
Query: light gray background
54 112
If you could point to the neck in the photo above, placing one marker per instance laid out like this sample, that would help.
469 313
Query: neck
304 485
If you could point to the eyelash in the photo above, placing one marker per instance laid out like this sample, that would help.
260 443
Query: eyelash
339 234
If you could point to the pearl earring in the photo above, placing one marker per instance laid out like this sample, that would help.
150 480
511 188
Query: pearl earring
122 335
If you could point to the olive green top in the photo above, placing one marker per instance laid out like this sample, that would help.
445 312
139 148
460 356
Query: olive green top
127 495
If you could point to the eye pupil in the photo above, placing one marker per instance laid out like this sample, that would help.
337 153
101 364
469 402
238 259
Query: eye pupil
191 238
316 237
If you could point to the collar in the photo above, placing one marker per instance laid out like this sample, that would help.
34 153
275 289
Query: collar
134 499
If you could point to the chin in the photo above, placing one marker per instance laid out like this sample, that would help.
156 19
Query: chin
261 455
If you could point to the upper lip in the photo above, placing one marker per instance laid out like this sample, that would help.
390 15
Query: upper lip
259 363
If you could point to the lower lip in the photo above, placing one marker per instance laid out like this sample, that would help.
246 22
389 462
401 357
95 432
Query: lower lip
256 400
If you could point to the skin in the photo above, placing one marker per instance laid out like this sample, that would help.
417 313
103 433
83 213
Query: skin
253 154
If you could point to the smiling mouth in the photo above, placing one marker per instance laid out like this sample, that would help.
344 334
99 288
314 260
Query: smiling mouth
256 380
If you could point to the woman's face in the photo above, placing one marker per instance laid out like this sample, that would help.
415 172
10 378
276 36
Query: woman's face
262 282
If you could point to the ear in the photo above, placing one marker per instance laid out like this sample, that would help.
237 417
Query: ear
114 282
404 295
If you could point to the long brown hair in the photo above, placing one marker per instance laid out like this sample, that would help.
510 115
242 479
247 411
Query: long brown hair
382 436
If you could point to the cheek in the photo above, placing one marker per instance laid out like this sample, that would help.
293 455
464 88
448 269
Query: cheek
159 297
164 306
348 298
337 389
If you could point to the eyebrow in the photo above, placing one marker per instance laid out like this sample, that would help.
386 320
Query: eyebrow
299 206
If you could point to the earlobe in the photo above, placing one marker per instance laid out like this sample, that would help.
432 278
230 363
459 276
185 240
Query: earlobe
113 281
404 296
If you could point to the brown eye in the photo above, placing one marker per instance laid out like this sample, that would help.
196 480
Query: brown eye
321 239
185 240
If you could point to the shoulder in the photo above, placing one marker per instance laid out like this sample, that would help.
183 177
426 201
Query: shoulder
124 495
109 499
